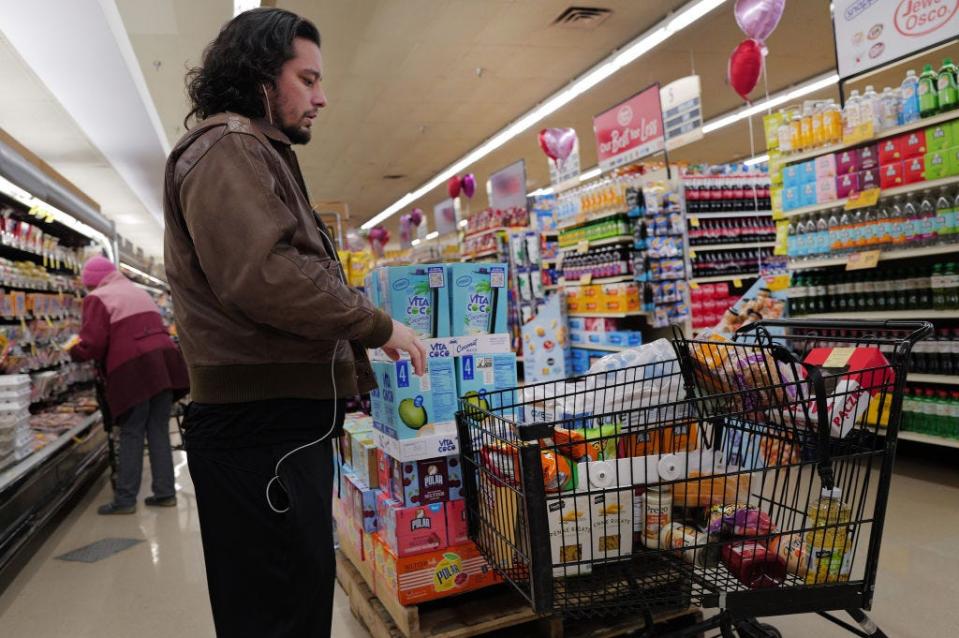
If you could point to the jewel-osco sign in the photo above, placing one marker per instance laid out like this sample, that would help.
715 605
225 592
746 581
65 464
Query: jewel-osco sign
870 33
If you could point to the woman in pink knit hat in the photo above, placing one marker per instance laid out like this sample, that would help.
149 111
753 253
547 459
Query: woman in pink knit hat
143 374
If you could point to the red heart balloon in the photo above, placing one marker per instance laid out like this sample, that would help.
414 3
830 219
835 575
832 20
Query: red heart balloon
453 187
745 65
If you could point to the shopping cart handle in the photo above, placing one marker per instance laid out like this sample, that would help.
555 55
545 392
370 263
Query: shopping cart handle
920 329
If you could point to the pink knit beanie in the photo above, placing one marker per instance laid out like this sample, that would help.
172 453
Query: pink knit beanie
95 270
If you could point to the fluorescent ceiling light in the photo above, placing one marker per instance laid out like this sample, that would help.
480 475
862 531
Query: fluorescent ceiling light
432 235
546 190
463 223
590 174
759 159
816 84
687 15
415 242
239 6
51 212
145 275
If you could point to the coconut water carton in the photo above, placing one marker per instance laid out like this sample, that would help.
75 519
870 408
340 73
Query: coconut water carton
412 406
479 377
417 296
478 298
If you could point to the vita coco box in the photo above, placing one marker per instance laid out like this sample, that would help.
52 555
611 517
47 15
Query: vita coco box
418 296
478 298
479 376
412 406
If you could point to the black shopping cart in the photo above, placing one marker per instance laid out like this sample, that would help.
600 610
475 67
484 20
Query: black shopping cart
749 475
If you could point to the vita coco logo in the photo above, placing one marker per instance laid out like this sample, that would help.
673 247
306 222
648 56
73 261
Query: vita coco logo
439 350
446 445
417 305
478 302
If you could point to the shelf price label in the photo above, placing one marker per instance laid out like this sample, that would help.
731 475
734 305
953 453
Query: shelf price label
694 222
864 199
582 246
586 278
863 260
860 133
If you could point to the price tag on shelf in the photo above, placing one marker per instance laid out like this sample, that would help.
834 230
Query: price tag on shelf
586 278
860 133
692 254
864 260
582 246
738 283
694 285
864 199
694 222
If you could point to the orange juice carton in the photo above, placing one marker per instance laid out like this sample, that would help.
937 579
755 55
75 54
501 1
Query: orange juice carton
412 530
417 579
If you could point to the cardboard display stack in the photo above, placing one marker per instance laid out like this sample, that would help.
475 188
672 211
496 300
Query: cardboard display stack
400 507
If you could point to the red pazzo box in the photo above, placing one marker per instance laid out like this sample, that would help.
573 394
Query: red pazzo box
866 366
847 162
846 185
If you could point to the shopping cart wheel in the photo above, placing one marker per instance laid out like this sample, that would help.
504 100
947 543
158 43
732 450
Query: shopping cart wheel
752 628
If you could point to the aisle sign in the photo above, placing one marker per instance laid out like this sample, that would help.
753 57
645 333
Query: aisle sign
445 216
506 188
563 170
630 130
870 33
682 107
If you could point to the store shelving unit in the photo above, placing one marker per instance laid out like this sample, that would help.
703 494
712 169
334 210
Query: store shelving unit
944 379
905 189
741 246
586 219
598 280
929 439
884 255
706 280
886 314
595 243
735 214
614 315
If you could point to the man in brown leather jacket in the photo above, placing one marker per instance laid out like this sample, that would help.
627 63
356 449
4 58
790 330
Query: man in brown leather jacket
273 337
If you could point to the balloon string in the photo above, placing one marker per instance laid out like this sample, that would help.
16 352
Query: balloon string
769 109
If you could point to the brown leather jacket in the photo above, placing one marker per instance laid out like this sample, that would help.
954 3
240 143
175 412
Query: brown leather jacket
258 293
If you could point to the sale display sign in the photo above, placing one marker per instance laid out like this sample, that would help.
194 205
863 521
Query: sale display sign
630 130
870 33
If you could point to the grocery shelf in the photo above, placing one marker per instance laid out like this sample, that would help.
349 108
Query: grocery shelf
944 379
579 221
596 346
612 315
730 214
15 472
884 255
889 192
931 439
706 280
551 287
898 130
886 314
598 280
762 244
480 255
491 231
621 239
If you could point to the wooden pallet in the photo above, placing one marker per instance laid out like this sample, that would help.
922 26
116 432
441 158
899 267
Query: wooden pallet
481 613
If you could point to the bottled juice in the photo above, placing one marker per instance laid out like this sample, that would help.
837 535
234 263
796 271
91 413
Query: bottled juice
832 122
928 92
785 133
829 549
818 130
948 93
805 127
795 132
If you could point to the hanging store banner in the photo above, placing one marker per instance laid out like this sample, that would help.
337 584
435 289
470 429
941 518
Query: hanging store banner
682 107
870 33
630 130
561 170
445 217
506 188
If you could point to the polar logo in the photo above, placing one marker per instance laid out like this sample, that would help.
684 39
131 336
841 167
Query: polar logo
920 17
624 115
856 8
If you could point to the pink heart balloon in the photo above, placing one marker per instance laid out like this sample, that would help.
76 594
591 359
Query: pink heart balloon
759 18
468 182
557 143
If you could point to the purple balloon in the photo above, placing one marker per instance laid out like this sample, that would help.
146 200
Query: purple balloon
759 18
416 216
468 184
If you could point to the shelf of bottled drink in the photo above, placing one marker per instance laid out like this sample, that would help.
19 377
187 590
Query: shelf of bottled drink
586 281
885 314
941 379
731 214
889 192
886 133
705 247
885 255
593 243
732 277
585 218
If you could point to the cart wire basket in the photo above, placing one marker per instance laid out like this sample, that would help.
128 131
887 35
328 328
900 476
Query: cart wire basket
749 475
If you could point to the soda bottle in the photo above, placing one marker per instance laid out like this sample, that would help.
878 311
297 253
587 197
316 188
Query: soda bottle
910 216
897 222
945 216
909 104
822 236
829 539
883 229
845 231
927 220
850 114
938 293
832 122
835 238
948 93
950 285
928 93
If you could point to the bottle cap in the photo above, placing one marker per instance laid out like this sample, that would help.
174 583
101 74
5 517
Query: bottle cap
928 67
947 62
834 493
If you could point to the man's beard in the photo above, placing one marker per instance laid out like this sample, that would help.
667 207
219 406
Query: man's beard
297 135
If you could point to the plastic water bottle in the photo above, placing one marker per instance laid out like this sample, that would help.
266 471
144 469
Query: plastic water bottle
945 217
850 113
869 109
909 106
889 109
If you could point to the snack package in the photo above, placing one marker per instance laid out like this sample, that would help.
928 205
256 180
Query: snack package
503 461
707 491
739 520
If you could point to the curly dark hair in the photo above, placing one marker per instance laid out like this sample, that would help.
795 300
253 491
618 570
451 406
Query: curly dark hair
249 51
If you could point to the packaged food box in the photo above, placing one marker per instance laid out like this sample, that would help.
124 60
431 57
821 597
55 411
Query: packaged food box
913 170
426 482
791 198
952 160
847 161
478 298
791 175
418 297
457 529
869 178
807 194
825 166
890 150
364 503
939 137
412 406
913 144
430 576
936 164
364 460
411 530
612 524
826 190
570 534
847 184
891 175
807 172
868 156
481 377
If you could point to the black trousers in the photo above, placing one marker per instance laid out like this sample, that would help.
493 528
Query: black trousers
269 575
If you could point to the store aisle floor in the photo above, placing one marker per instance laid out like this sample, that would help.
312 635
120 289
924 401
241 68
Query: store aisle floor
157 587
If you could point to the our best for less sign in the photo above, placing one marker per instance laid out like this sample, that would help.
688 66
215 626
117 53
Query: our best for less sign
870 33
631 130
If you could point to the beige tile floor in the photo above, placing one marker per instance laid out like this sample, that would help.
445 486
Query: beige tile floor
157 588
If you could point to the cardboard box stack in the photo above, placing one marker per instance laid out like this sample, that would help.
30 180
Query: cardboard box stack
401 506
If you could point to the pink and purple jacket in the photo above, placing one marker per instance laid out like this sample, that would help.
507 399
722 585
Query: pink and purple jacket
124 333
